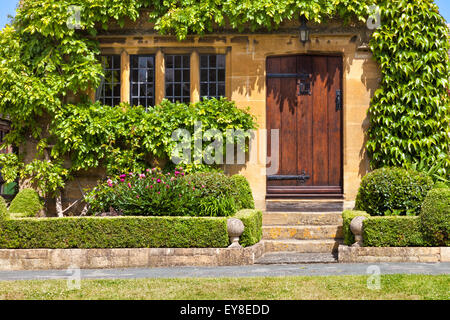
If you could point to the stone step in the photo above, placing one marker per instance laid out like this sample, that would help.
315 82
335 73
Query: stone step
302 218
302 232
296 258
301 205
302 246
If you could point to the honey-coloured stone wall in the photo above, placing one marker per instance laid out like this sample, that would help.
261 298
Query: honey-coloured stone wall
246 55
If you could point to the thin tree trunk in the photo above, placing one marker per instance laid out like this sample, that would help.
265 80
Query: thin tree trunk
59 209
85 210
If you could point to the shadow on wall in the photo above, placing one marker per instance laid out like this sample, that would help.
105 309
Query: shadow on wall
370 78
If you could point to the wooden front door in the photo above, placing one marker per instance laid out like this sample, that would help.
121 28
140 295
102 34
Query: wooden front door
304 101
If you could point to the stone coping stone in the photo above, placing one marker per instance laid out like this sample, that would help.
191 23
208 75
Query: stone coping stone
348 254
53 259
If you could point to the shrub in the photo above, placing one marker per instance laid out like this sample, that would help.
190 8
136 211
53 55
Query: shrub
393 191
114 232
393 232
216 193
243 192
440 185
26 203
347 217
252 220
435 217
4 214
155 193
219 186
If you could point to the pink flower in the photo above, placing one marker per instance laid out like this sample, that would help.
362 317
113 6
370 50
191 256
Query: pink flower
167 186
179 195
122 180
203 186
182 173
159 192
142 176
110 183
171 179
148 170
122 176
131 173
129 185
177 172
193 188
151 186
159 180
137 196
146 187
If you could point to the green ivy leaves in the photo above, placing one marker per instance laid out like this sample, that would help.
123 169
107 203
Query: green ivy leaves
409 115
128 138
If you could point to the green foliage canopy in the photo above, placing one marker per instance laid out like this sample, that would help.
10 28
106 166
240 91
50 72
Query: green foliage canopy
43 62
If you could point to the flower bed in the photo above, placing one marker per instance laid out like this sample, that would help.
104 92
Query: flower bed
154 193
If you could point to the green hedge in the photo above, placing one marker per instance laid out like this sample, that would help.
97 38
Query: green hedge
4 214
393 232
126 232
25 204
347 217
393 192
114 232
243 192
252 220
435 217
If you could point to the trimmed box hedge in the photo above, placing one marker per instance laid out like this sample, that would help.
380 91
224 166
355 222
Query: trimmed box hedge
393 232
126 232
347 217
435 217
252 220
114 232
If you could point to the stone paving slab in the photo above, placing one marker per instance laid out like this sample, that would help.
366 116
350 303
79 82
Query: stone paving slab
296 258
442 268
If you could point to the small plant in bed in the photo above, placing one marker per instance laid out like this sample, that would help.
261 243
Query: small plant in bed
155 193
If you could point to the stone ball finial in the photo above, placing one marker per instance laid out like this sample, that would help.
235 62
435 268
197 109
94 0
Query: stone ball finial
235 228
356 226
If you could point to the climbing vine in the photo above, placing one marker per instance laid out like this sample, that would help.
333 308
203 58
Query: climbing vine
44 63
410 113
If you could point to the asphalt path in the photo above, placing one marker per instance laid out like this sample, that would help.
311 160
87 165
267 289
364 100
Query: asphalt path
330 269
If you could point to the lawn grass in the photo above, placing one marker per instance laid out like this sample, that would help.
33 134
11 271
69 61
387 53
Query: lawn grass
297 288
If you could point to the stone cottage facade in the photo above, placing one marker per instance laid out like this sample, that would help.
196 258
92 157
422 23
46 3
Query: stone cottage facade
315 93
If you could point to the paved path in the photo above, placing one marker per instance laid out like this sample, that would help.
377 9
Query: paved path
239 271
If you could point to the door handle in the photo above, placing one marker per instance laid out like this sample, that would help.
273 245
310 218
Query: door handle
338 100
